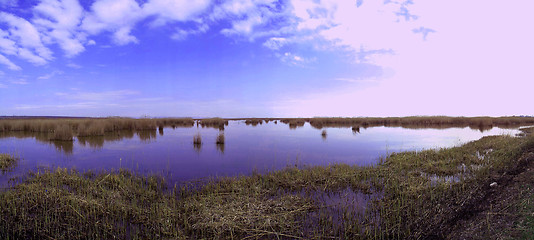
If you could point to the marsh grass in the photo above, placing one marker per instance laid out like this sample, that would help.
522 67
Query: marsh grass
218 123
84 127
65 204
254 122
294 122
406 195
7 162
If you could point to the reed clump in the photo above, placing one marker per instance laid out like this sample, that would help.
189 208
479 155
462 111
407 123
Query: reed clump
254 121
7 162
294 122
218 123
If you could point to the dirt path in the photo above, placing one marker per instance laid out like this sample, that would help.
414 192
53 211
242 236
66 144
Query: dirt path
496 213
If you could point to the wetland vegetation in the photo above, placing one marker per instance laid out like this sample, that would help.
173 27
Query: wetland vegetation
7 162
413 194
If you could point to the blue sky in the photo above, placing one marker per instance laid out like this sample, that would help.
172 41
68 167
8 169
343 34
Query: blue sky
265 58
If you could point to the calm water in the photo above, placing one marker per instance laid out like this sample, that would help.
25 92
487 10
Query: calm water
261 148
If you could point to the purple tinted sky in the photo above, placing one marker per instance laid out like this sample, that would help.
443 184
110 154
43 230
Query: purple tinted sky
265 58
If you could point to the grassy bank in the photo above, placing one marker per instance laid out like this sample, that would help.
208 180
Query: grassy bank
416 194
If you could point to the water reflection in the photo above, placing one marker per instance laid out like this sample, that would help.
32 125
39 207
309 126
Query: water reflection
43 137
355 130
220 148
64 146
220 141
323 135
147 135
197 142
98 141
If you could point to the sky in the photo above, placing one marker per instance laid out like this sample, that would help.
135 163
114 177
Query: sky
266 58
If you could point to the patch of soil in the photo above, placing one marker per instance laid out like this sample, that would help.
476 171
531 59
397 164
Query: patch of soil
495 212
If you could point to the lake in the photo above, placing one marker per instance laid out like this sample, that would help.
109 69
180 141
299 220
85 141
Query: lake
171 153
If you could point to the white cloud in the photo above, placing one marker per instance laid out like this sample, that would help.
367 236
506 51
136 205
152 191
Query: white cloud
20 81
122 36
296 60
117 16
182 34
252 18
59 20
3 85
25 53
476 46
27 39
74 65
7 46
175 10
275 43
50 75
8 63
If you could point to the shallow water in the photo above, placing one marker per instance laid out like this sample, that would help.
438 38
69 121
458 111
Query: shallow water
260 148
